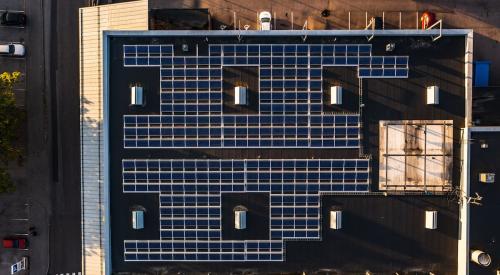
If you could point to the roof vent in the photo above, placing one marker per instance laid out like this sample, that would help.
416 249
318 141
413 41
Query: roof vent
390 47
431 219
484 144
137 219
240 219
336 95
240 95
481 258
335 219
136 95
433 95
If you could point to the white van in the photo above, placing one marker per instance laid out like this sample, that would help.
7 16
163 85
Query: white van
137 219
265 21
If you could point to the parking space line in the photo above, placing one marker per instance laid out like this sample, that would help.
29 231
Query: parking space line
13 27
12 57
13 10
15 42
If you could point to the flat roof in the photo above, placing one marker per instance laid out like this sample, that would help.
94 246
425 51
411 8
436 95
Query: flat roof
484 230
189 155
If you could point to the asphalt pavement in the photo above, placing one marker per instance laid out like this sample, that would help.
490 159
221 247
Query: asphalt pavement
65 237
38 133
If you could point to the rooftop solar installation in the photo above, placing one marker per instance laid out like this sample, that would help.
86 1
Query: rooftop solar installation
290 104
290 114
190 203
259 155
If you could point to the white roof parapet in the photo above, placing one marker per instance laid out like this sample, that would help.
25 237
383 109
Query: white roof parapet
396 32
94 190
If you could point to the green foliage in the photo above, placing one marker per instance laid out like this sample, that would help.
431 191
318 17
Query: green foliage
6 184
11 118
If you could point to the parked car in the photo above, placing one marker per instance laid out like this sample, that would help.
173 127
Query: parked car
265 21
10 18
15 242
12 49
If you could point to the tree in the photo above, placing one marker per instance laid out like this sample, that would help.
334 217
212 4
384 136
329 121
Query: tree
11 118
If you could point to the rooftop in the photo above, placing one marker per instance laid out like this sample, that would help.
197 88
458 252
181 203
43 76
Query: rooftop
190 155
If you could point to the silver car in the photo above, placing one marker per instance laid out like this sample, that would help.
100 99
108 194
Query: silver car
12 49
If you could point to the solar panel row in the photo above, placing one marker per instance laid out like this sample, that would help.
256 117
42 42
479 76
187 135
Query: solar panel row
275 55
175 63
154 131
242 175
258 250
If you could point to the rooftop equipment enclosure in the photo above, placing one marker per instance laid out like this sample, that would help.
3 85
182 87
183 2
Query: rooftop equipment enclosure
335 219
136 96
336 95
431 219
433 95
138 219
240 95
240 219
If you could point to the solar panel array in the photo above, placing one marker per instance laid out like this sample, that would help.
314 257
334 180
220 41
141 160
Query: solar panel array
156 131
289 115
290 96
190 203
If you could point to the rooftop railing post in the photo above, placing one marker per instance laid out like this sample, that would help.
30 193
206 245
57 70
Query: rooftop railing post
399 20
275 20
349 20
416 20
383 20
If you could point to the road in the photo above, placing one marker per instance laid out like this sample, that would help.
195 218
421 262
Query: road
65 240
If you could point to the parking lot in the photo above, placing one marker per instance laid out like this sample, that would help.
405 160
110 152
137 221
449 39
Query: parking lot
16 208
16 34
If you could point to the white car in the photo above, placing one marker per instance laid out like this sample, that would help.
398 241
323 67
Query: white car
265 21
12 49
